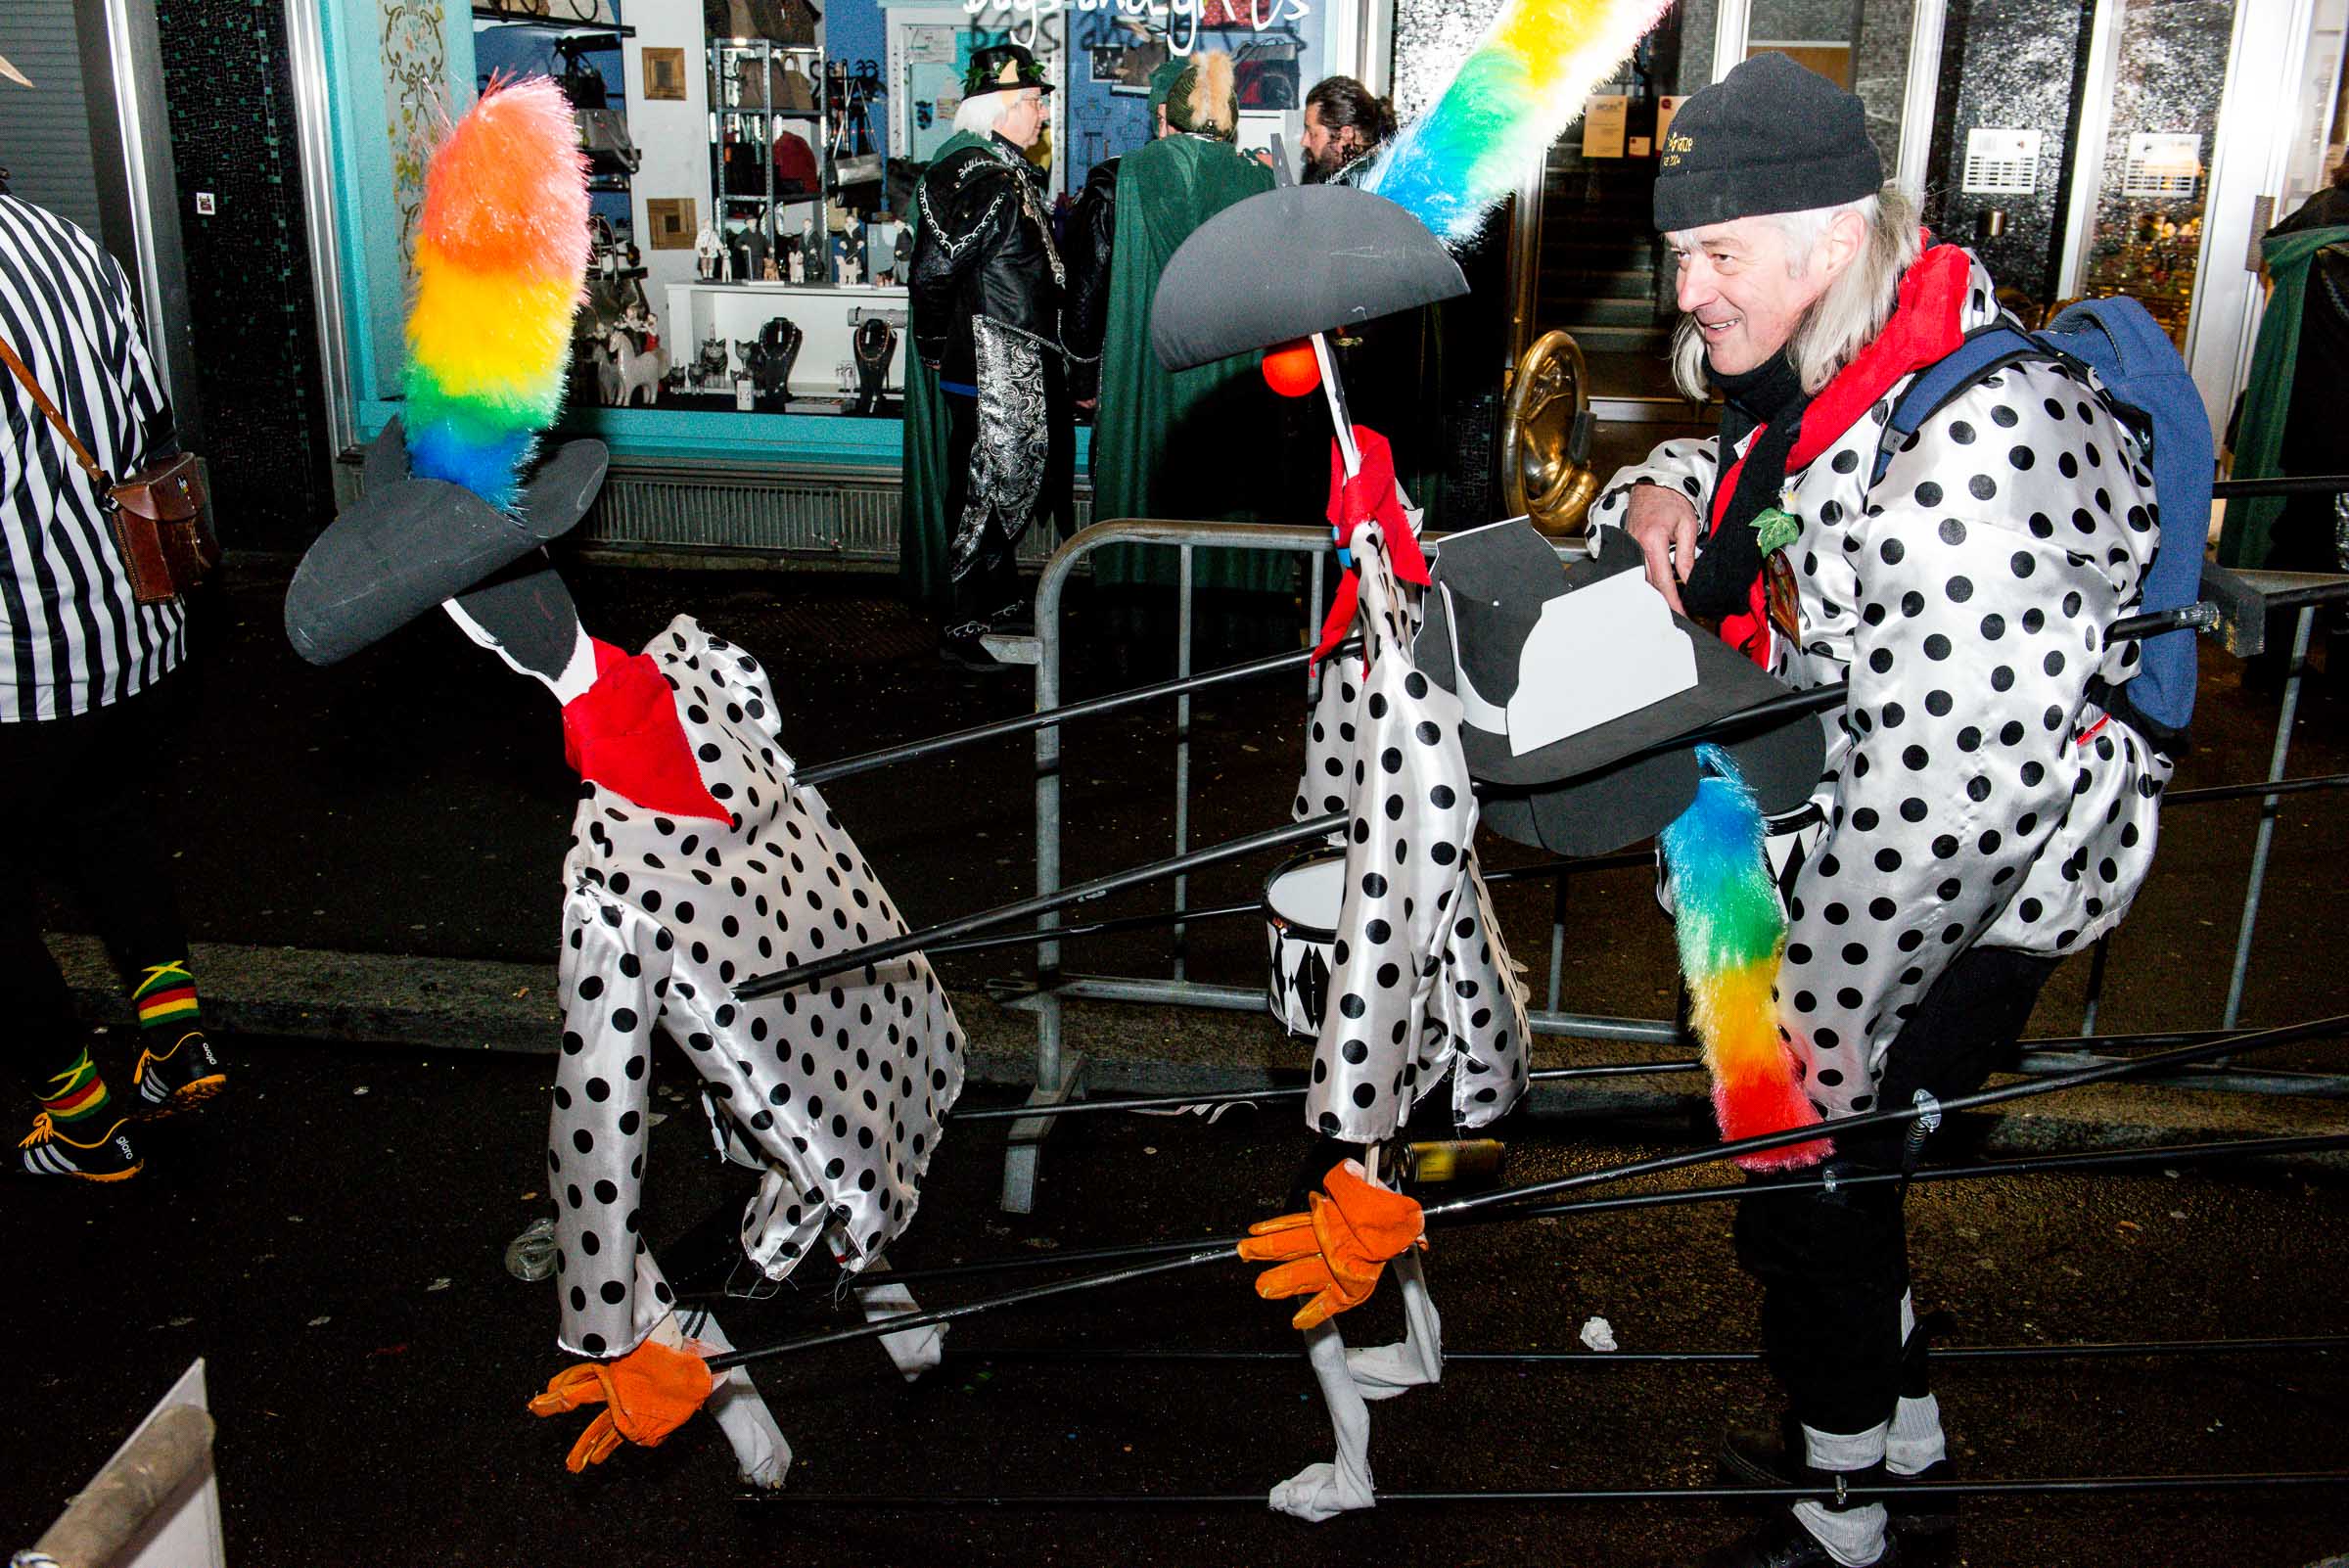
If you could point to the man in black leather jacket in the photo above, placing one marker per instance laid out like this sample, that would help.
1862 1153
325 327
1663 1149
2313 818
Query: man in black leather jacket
986 291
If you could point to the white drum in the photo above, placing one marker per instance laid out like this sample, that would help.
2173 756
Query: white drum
1302 901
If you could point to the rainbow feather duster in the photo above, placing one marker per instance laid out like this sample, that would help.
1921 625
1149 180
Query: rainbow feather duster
1731 932
501 262
1517 91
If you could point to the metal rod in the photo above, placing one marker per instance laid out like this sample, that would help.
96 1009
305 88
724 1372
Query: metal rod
1909 1489
1574 866
2031 1164
1095 928
1042 903
1182 749
2099 956
2270 788
2316 1343
946 1315
2307 484
1291 1091
2266 820
1901 1115
1051 717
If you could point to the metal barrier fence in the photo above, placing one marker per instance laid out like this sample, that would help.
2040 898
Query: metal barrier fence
2245 599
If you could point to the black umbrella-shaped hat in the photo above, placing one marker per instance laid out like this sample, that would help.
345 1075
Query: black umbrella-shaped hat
1291 261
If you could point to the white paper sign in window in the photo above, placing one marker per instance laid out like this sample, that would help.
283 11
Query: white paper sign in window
2001 161
2163 164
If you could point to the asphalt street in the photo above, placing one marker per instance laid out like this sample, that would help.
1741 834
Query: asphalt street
330 1235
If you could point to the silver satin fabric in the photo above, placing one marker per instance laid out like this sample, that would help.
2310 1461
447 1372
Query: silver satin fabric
834 1091
1420 988
1009 449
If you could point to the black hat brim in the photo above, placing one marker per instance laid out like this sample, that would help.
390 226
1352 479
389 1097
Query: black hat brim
1285 263
410 543
1622 782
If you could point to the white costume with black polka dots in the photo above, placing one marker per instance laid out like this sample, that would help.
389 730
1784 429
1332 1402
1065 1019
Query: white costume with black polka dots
835 1090
1972 792
1420 980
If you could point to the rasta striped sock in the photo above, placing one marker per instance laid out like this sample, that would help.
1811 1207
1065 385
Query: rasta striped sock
76 1094
166 997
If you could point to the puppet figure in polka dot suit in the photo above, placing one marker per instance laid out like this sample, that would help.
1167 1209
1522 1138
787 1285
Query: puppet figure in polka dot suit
695 861
1981 813
1421 990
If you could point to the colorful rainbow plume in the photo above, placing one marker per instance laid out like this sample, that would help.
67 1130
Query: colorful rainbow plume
501 262
1516 93
1731 932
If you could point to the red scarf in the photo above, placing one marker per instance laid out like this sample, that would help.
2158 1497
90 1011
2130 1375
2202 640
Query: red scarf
623 733
1928 324
1368 496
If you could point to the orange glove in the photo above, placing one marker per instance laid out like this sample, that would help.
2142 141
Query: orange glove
647 1394
1336 1251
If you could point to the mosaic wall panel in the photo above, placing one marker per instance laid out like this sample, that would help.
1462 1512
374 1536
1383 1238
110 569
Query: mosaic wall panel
2015 64
229 88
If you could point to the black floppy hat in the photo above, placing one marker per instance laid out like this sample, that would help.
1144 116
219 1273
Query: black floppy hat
408 543
1503 632
1290 261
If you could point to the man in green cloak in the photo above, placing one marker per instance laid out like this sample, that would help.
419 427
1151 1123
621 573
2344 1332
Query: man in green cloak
1165 442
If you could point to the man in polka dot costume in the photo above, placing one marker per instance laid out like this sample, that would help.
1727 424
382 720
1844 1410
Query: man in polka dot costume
1981 816
693 861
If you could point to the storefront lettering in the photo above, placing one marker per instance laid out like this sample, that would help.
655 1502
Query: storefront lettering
1179 18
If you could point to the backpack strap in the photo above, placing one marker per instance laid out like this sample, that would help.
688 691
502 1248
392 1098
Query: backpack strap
1985 350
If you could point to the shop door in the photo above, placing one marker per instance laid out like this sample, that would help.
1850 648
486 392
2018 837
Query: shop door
2154 176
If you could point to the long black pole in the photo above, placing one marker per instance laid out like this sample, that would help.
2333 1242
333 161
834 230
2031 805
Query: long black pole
2033 1164
1977 1354
1901 1115
865 761
1289 1092
758 985
946 1315
1220 1249
1909 1491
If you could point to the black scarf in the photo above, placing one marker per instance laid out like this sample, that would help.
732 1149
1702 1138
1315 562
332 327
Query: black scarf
1769 395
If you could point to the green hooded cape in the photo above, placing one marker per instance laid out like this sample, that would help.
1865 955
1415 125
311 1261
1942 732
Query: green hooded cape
1177 443
2244 538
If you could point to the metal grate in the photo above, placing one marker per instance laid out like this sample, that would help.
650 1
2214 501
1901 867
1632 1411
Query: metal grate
846 521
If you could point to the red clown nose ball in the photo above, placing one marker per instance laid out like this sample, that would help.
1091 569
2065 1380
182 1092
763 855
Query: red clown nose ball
1290 370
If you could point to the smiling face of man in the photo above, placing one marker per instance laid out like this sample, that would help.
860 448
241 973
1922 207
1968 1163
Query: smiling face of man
1736 282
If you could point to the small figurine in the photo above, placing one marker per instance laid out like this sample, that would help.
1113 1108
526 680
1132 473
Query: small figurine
707 251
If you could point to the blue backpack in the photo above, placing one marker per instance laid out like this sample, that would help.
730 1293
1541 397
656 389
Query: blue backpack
2152 393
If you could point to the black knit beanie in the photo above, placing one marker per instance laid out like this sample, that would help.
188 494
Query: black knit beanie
1772 136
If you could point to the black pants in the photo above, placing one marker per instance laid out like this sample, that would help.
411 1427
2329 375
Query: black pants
1834 1265
74 794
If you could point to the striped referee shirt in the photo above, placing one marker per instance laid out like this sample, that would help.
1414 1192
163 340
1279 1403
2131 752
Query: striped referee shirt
75 640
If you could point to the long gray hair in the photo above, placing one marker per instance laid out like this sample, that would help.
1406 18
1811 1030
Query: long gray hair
1846 318
981 113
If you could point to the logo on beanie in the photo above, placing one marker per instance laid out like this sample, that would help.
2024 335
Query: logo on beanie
1675 145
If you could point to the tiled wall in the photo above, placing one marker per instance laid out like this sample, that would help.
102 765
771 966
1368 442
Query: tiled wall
249 278
2012 63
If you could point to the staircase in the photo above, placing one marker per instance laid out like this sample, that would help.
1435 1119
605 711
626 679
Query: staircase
1599 251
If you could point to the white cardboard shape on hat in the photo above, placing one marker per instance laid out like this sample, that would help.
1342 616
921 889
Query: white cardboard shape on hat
1596 655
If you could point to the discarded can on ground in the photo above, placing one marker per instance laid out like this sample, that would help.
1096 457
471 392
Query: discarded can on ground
531 1256
1459 1162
